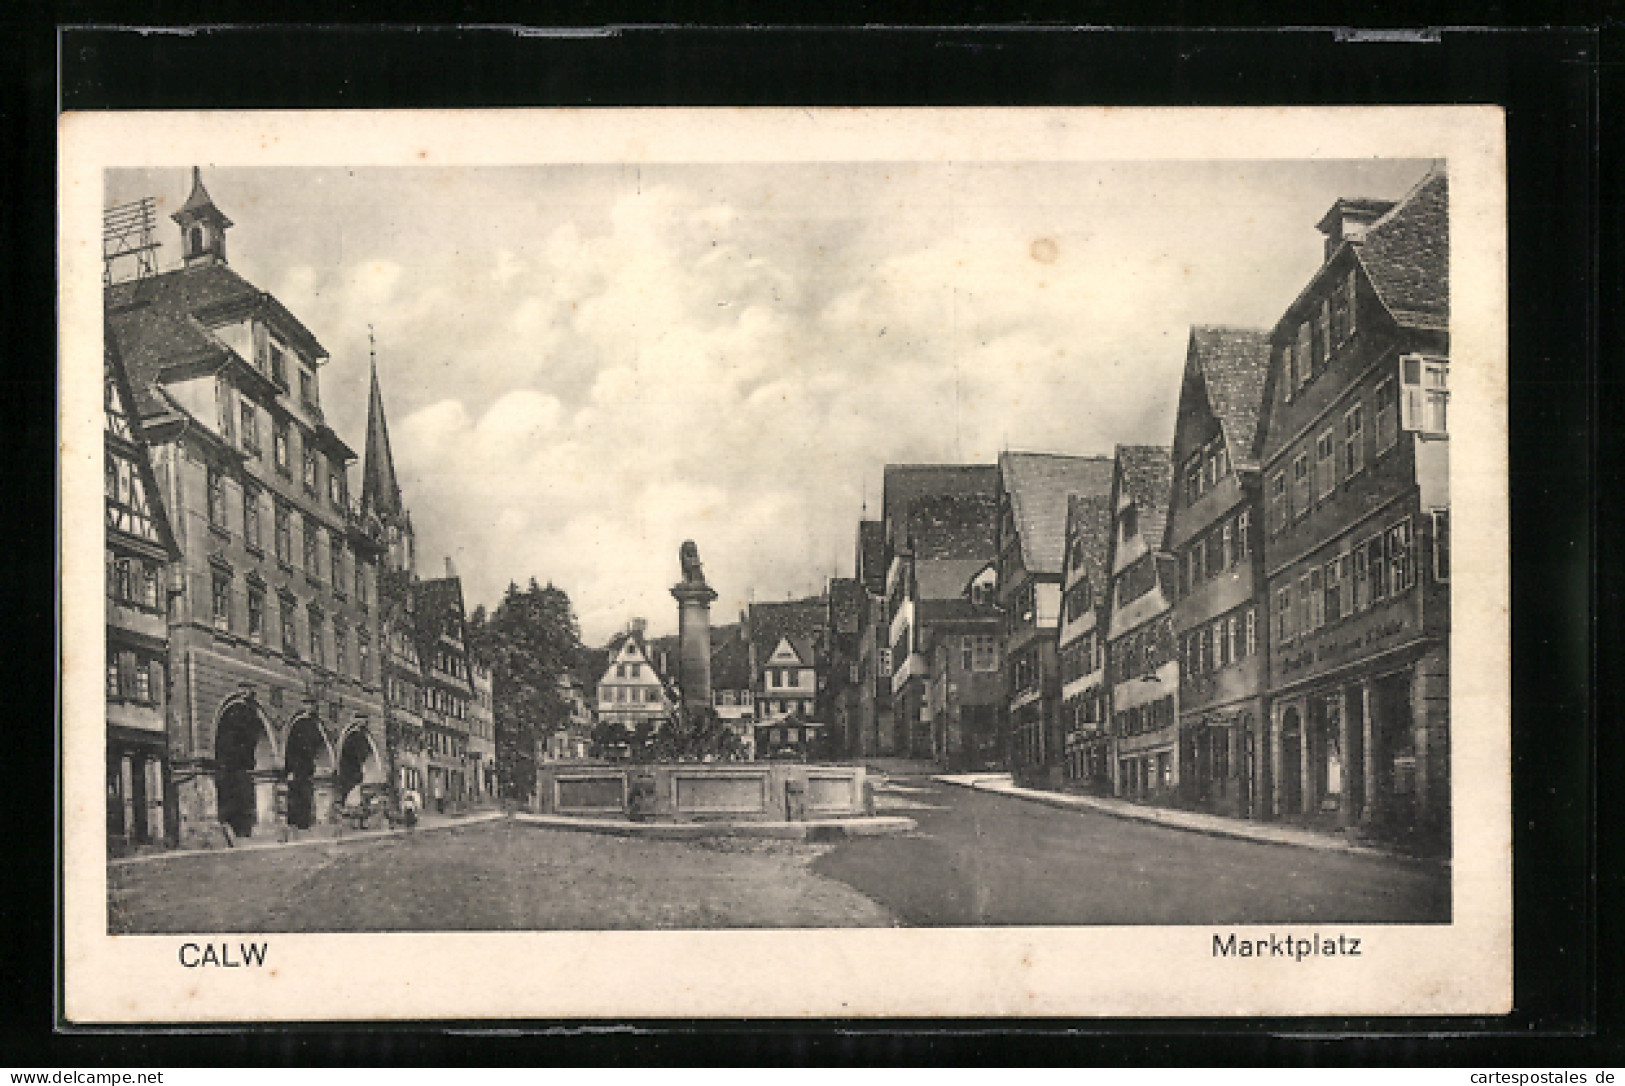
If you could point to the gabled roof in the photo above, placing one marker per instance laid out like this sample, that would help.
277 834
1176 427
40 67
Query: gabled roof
871 556
845 605
1232 364
441 599
730 659
796 621
1406 255
156 506
1089 524
904 484
1145 474
157 321
200 204
953 526
1039 485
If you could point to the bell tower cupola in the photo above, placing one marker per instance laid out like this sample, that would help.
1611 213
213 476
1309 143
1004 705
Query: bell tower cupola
203 226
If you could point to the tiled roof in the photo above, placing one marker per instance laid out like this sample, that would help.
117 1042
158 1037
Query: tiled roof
442 597
1146 475
797 621
730 659
845 605
1406 255
1039 485
953 526
871 555
152 320
1089 521
904 484
945 579
155 322
1233 363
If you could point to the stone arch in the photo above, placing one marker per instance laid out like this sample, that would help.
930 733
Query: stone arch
359 764
307 759
244 765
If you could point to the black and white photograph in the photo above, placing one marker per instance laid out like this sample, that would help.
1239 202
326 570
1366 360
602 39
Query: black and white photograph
951 553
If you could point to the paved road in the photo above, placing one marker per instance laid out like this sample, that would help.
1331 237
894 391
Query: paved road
980 859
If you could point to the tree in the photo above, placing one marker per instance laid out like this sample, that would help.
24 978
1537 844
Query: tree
532 640
696 736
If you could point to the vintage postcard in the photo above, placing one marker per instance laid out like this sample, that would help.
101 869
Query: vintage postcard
775 563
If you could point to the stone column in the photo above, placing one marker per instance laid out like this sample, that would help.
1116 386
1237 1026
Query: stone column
1306 761
1368 753
1345 801
693 598
1277 761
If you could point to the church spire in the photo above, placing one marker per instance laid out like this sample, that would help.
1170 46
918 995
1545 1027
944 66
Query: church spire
380 491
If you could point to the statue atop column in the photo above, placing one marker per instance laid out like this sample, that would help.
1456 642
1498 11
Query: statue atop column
694 598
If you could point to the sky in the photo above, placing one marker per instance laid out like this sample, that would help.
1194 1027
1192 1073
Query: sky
585 365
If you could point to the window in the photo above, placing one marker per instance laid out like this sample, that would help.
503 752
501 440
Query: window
226 410
1244 527
984 653
1215 561
1401 569
251 517
1350 302
1198 563
310 472
220 581
279 366
1305 353
1325 464
1376 569
313 561
1323 334
250 428
1289 370
1340 313
1333 604
883 661
1301 494
1250 620
792 677
318 643
290 634
256 614
1353 441
217 498
284 534
307 388
1359 591
1426 394
335 485
1441 545
1308 590
335 553
1279 507
279 446
1227 546
1387 411
1193 480
360 579
127 509
363 655
341 649
1221 644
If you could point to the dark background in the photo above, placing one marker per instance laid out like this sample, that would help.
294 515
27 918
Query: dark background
1565 290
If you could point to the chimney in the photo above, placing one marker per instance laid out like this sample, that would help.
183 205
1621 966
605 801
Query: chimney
636 627
1348 220
451 570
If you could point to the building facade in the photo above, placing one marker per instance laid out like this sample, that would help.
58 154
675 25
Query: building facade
1213 534
632 694
786 673
448 689
482 735
1034 489
875 727
1081 643
1142 665
276 711
963 642
844 634
140 548
1357 509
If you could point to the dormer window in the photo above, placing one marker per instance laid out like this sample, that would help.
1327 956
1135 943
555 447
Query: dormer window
1131 523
